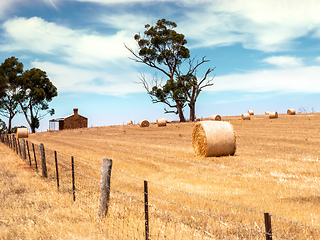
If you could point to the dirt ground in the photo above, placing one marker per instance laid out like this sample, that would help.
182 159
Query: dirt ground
275 168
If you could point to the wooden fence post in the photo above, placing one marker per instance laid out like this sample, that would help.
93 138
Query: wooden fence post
267 221
73 180
57 172
35 156
105 186
27 143
146 210
23 143
43 161
19 147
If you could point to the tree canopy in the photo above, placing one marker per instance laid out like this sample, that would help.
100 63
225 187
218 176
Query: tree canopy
163 49
28 92
10 72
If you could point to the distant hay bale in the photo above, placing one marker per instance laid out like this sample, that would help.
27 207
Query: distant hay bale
213 138
251 112
144 123
266 112
162 122
129 123
22 132
291 111
273 115
245 116
216 117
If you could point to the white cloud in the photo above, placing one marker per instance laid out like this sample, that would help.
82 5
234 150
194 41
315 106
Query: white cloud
284 61
267 25
77 79
75 46
300 79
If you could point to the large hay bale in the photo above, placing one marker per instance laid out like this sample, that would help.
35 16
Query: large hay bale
291 111
129 123
273 115
245 116
213 138
162 122
144 123
216 117
266 112
22 132
251 112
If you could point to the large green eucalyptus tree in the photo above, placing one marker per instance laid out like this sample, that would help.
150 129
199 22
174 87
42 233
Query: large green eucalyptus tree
163 49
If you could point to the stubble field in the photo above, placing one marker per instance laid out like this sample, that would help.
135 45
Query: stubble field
275 168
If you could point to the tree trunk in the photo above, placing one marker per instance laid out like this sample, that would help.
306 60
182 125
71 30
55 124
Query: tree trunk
192 107
9 127
180 112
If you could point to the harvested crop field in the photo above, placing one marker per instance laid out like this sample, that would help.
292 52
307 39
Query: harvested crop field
275 168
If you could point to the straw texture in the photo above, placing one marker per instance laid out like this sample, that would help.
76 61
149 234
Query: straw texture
144 123
161 122
216 117
22 132
245 116
273 115
213 138
129 123
251 112
291 111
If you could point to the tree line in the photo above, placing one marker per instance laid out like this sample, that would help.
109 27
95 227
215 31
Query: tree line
24 92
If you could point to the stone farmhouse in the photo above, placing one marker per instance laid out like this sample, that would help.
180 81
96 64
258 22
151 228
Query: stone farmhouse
71 122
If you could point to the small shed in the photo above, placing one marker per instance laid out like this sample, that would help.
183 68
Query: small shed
70 122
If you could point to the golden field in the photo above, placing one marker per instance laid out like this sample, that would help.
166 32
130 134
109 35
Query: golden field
275 169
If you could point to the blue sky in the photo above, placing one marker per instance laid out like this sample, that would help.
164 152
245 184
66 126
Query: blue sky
266 54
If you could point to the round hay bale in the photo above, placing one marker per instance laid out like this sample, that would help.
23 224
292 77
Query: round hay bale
22 132
129 123
266 112
161 122
251 112
144 123
212 138
216 117
273 115
245 116
291 111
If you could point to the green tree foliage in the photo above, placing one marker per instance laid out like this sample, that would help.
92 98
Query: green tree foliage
10 72
38 91
163 49
3 126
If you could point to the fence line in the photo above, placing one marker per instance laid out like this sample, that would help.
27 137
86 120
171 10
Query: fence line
159 217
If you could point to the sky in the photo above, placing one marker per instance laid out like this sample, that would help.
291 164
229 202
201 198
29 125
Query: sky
266 54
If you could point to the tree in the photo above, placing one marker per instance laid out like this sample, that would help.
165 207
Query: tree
3 126
38 91
10 73
163 49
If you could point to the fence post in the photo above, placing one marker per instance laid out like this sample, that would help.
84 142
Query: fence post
146 209
35 156
57 172
105 186
43 161
23 143
73 180
19 147
267 221
28 152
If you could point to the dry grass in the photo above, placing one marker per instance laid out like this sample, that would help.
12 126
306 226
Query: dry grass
30 208
275 169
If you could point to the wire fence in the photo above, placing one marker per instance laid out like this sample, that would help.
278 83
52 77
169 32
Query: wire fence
138 209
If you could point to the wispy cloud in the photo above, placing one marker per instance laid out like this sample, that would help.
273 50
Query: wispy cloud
284 61
300 79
